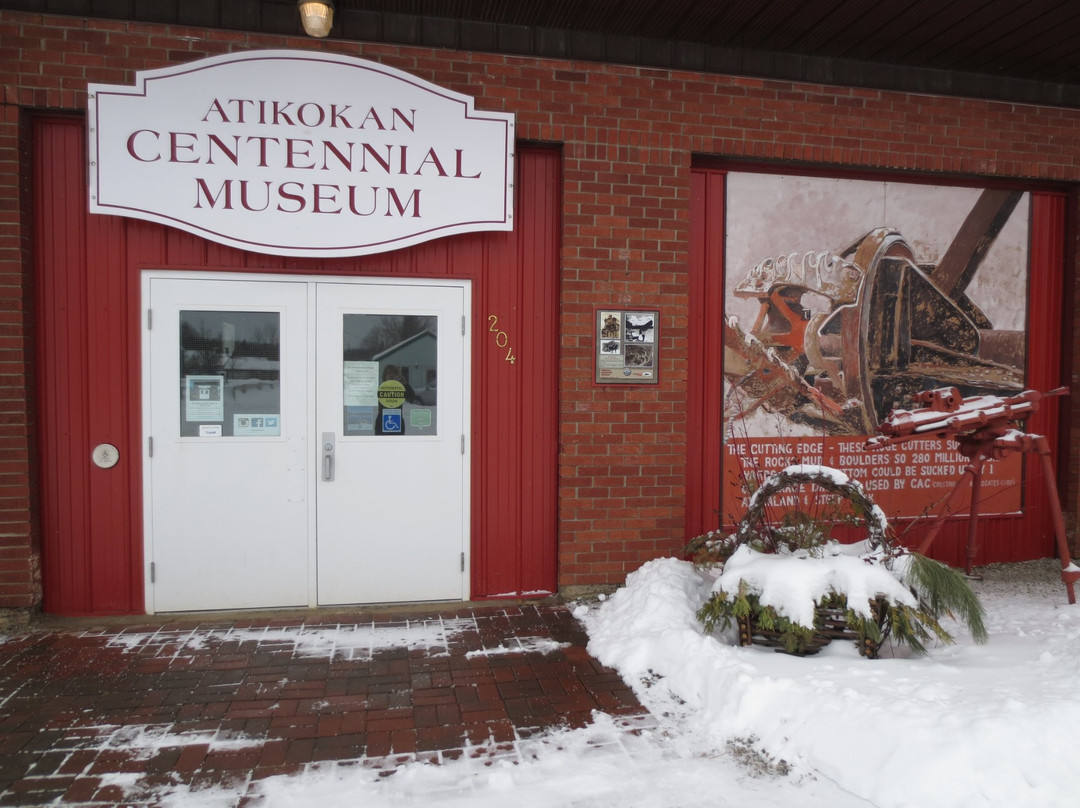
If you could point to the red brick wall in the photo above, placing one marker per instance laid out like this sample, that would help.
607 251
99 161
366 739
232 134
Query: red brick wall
628 137
20 580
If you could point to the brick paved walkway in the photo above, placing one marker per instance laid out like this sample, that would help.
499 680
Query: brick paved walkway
106 716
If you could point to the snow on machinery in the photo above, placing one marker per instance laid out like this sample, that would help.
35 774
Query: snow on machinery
983 427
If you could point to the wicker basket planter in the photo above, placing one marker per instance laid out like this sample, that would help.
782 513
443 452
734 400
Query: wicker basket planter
791 587
829 624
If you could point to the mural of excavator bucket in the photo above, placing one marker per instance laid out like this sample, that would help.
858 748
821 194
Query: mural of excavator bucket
843 338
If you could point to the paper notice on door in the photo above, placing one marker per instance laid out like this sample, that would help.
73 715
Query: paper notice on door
361 383
204 398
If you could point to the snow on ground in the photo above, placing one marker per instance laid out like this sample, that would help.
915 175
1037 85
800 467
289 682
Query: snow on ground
351 641
600 766
966 726
347 641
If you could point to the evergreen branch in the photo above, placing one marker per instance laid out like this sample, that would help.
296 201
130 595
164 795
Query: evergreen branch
942 590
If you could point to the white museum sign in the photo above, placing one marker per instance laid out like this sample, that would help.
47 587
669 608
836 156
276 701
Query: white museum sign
298 153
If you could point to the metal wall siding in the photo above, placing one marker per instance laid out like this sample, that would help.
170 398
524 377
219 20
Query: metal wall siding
496 428
83 377
1045 372
515 410
535 327
112 367
88 373
706 358
57 349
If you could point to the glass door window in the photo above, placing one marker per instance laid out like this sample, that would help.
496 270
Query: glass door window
390 374
230 374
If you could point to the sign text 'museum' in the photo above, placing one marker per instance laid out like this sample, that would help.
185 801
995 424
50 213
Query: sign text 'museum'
381 161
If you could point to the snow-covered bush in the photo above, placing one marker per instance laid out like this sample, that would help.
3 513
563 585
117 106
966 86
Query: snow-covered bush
791 582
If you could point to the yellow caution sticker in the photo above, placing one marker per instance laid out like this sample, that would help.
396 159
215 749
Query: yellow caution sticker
391 393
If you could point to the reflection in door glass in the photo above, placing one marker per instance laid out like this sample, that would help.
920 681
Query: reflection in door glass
230 374
390 374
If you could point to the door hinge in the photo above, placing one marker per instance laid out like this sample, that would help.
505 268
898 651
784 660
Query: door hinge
463 443
463 325
153 572
149 319
150 445
462 562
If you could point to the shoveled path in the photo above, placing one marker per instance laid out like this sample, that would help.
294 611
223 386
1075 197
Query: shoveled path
97 715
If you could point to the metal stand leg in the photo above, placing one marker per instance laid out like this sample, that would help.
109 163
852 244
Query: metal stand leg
973 517
1069 573
970 473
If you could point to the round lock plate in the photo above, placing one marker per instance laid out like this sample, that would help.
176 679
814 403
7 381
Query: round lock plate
105 455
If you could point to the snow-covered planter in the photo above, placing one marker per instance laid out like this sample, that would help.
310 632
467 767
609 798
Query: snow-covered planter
791 586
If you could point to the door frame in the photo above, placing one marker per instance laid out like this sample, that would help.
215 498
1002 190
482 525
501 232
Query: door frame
148 275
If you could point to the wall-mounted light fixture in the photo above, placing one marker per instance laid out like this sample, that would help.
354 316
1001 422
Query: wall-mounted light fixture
317 16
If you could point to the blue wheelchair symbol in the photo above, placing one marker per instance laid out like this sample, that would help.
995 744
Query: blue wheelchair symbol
391 422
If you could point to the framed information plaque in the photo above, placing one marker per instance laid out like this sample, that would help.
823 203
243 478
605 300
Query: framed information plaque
627 346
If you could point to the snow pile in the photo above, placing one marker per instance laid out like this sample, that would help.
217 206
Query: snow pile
599 766
969 725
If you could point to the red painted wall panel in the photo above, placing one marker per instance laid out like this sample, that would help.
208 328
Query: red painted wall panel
85 375
514 393
706 359
87 279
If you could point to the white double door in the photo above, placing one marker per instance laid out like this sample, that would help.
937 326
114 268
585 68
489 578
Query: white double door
305 441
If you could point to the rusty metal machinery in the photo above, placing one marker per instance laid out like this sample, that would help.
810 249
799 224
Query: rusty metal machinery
842 338
983 427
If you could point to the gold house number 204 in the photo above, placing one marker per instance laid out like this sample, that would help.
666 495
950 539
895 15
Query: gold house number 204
502 339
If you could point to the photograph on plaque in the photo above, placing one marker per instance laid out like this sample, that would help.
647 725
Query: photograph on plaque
626 346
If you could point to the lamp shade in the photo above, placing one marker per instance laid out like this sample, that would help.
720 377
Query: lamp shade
317 16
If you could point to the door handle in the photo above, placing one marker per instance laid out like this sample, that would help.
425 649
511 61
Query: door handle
328 456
